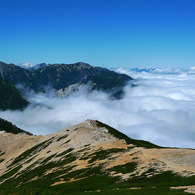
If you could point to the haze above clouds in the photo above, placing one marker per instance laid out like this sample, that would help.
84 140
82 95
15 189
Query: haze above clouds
161 109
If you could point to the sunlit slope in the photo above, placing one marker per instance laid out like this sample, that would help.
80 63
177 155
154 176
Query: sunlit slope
91 156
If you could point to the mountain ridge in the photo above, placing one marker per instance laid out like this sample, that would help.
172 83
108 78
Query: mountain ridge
88 157
61 76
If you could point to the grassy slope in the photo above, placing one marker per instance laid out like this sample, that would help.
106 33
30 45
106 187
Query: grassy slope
90 179
96 180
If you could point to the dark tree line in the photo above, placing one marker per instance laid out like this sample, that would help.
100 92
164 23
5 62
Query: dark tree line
11 128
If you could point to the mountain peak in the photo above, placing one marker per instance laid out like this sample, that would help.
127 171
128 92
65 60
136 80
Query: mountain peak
83 64
91 156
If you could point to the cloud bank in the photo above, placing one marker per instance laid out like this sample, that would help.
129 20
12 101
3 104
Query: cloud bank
161 109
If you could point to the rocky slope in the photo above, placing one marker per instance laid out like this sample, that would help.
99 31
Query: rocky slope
92 157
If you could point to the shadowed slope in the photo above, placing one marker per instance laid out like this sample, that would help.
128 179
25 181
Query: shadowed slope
10 97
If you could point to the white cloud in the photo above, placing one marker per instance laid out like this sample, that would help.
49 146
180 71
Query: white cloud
26 65
161 109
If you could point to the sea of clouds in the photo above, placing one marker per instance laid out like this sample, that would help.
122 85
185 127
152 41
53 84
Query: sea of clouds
160 109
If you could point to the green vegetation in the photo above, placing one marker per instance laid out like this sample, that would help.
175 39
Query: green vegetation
2 153
69 158
43 182
118 134
10 173
47 159
126 168
90 180
66 141
144 191
83 173
63 137
65 152
10 97
32 151
1 160
11 128
164 179
102 154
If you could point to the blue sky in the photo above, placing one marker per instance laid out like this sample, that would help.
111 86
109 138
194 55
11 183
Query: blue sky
110 33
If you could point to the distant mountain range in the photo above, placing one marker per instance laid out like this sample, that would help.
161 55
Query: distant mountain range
62 76
57 75
91 158
169 70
